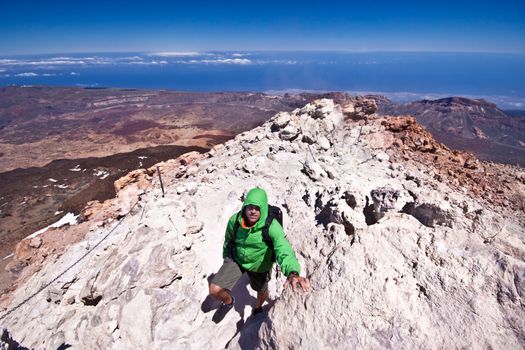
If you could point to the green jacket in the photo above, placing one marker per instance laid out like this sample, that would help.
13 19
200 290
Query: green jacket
251 252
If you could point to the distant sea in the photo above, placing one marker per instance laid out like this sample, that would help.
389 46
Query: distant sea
401 76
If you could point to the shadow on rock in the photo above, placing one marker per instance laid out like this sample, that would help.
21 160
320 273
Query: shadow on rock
248 336
210 303
7 342
242 298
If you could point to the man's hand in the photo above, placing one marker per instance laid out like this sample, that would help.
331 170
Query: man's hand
294 280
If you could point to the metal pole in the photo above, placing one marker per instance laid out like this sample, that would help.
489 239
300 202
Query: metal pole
246 149
312 153
160 178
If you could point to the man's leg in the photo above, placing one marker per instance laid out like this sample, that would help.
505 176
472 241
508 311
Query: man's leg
261 298
259 283
220 287
224 280
220 293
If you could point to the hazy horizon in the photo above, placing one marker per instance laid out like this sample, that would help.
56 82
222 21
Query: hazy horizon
402 76
184 51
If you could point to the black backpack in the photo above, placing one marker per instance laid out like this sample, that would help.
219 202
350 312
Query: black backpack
273 213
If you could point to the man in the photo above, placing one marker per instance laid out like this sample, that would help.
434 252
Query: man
248 252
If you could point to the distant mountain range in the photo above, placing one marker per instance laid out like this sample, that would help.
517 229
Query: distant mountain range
470 124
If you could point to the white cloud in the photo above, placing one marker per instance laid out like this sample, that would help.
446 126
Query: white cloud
275 62
228 61
39 63
60 61
2 70
132 58
88 85
176 54
48 74
78 61
241 61
74 73
26 74
148 63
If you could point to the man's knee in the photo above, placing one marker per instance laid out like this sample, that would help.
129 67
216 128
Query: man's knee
215 290
263 292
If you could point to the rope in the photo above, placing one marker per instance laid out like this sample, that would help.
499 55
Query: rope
67 269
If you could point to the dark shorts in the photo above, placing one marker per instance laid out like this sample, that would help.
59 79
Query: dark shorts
230 272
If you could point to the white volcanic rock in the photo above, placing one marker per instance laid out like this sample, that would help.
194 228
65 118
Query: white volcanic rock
289 133
281 120
397 258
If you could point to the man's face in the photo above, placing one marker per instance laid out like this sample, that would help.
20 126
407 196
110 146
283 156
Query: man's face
252 214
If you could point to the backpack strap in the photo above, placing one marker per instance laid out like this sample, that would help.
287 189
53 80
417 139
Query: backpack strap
231 243
266 235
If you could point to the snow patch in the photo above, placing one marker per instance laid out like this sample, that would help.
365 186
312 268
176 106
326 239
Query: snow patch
53 180
68 219
7 257
76 168
101 174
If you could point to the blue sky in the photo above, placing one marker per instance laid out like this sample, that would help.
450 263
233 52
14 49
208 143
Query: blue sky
32 27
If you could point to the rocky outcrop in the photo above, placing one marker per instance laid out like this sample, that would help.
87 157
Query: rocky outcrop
398 254
360 108
494 183
468 124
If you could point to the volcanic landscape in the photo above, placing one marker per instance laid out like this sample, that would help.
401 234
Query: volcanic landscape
64 147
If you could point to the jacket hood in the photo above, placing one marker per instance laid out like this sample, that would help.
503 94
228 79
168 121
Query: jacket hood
257 196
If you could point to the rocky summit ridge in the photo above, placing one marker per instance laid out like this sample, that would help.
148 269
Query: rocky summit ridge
407 244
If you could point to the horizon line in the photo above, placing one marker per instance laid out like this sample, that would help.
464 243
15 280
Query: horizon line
267 50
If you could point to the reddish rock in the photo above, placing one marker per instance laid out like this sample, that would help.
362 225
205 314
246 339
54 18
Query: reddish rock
360 109
192 157
139 176
485 180
471 163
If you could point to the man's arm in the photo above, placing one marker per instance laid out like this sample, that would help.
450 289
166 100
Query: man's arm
294 279
226 251
286 258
